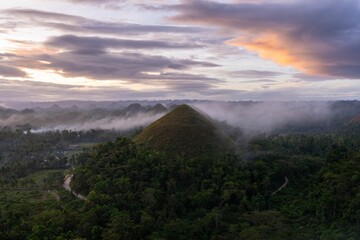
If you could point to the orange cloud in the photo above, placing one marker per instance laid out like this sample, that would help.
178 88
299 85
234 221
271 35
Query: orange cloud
271 46
28 48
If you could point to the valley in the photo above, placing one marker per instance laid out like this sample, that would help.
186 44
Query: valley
179 120
184 176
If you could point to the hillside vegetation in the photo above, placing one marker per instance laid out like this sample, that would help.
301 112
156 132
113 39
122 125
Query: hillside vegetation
183 183
184 131
225 197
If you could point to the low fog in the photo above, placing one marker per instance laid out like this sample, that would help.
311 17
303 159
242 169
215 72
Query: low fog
57 117
250 117
266 117
121 124
12 120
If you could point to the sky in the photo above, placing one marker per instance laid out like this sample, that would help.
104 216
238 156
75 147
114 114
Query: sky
230 50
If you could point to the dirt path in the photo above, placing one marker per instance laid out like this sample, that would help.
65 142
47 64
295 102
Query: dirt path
282 186
66 185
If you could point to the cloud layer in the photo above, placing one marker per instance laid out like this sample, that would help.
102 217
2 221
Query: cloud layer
203 49
101 50
317 37
78 24
8 71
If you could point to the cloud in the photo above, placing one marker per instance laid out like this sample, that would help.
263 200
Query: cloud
167 74
7 71
309 77
269 81
112 4
117 66
76 24
14 90
117 1
99 44
109 58
316 37
157 7
254 74
94 1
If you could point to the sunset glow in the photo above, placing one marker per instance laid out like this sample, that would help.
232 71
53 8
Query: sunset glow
232 50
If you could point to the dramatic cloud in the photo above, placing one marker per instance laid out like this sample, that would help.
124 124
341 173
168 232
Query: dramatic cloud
104 58
317 37
106 66
77 24
108 58
134 68
118 49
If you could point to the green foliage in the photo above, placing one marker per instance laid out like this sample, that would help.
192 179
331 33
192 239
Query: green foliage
223 197
162 197
138 193
184 131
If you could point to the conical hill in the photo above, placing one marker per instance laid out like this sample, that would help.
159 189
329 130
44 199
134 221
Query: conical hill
184 131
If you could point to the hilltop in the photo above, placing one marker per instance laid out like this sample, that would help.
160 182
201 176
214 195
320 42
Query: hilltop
184 131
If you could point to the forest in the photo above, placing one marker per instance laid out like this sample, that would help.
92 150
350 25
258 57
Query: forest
283 185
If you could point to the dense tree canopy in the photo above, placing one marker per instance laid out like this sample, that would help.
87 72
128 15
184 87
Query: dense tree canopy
138 193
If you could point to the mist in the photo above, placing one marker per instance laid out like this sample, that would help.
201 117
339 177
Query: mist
250 117
57 118
267 117
12 119
108 123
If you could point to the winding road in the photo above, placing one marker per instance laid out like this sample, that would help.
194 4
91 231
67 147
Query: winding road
66 185
282 186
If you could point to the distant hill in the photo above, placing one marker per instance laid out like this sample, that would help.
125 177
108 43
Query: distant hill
158 108
55 107
130 110
184 131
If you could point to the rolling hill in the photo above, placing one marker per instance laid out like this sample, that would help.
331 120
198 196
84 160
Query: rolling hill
184 131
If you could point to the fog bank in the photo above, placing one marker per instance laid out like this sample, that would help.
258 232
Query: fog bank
109 123
265 117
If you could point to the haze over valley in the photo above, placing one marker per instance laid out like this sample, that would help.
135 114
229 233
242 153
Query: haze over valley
179 119
251 117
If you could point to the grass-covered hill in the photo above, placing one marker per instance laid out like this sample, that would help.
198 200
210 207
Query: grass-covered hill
184 131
